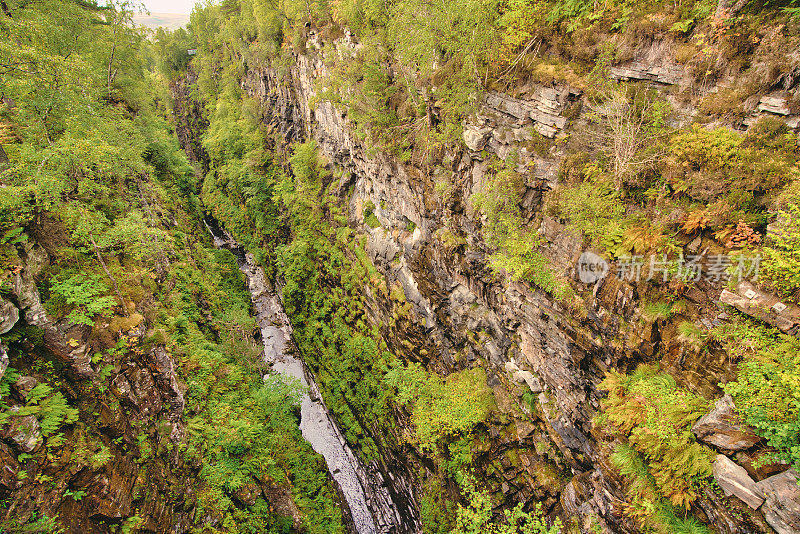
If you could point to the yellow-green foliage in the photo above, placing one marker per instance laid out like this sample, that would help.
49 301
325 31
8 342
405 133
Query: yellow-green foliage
442 408
48 406
81 293
781 264
518 243
719 163
646 501
325 272
591 206
655 416
478 517
449 239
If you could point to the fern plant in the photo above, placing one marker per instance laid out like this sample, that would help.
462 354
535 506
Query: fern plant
661 458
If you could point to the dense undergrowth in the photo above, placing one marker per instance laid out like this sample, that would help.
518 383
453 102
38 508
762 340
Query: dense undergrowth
95 175
641 181
88 147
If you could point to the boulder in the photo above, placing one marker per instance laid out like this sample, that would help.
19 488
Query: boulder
734 480
774 104
760 464
9 315
721 428
475 139
519 109
668 74
782 502
526 377
764 306
23 432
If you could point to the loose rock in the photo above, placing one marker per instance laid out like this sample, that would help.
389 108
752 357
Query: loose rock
782 505
734 480
721 428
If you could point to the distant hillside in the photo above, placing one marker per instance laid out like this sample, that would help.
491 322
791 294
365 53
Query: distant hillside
170 21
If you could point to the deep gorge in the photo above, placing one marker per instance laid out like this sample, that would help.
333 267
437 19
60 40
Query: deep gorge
400 213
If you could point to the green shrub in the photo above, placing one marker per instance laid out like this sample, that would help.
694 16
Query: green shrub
767 386
478 516
647 504
370 219
710 164
441 408
592 207
50 408
781 262
325 272
518 244
82 293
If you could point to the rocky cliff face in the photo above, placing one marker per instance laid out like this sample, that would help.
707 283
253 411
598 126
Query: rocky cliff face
100 476
531 344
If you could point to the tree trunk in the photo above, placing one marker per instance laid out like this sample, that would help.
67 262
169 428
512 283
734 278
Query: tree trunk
108 273
727 8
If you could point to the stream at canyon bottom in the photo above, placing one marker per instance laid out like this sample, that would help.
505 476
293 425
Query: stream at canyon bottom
316 423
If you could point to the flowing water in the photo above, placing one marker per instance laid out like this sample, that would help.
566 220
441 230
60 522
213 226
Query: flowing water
316 423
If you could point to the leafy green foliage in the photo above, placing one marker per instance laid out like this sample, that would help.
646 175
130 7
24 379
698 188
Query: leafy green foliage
82 293
518 242
370 219
781 263
477 517
241 428
172 50
93 156
239 187
50 408
659 311
767 386
712 164
325 271
592 207
647 503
